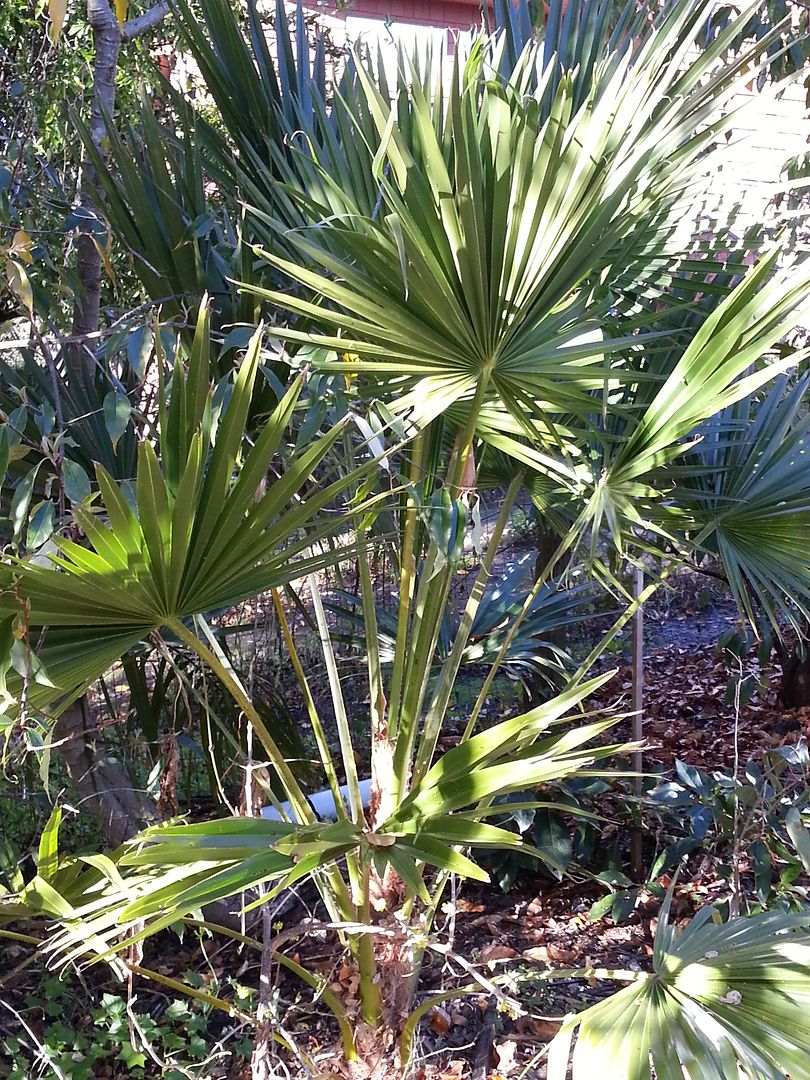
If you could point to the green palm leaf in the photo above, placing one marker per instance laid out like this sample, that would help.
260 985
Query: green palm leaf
172 869
197 539
746 486
154 191
722 1001
481 285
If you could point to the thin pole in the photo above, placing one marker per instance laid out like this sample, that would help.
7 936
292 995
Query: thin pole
636 854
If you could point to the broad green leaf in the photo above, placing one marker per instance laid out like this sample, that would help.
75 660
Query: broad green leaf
139 346
117 411
75 481
5 452
20 284
21 502
799 834
552 839
40 525
48 859
45 418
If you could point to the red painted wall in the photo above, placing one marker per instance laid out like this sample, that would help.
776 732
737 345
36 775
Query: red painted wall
456 14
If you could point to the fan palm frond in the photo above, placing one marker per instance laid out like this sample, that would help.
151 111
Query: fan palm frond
721 1001
747 489
196 538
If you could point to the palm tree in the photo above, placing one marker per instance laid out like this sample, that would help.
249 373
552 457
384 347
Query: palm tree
496 276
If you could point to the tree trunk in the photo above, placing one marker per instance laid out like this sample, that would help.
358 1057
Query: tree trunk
101 785
795 690
107 39
106 788
87 303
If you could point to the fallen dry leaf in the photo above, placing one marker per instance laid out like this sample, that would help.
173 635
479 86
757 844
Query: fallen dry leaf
454 1071
544 1029
439 1020
539 954
560 955
491 953
505 1056
346 973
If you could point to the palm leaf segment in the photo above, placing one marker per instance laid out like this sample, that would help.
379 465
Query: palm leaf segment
270 101
196 539
719 367
155 196
722 1002
531 654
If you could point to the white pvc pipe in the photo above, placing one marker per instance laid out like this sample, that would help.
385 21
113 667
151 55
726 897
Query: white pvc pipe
322 803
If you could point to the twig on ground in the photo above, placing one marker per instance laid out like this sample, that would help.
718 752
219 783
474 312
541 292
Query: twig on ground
484 1042
41 1050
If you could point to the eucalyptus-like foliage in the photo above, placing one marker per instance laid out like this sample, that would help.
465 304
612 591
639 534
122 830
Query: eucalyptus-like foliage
28 390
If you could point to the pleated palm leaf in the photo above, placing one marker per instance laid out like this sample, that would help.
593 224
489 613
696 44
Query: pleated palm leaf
747 489
261 98
728 359
274 105
481 287
480 293
170 870
172 193
736 483
200 535
722 1001
156 195
533 653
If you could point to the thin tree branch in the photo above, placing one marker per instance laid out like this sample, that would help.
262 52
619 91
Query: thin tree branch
706 571
142 24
